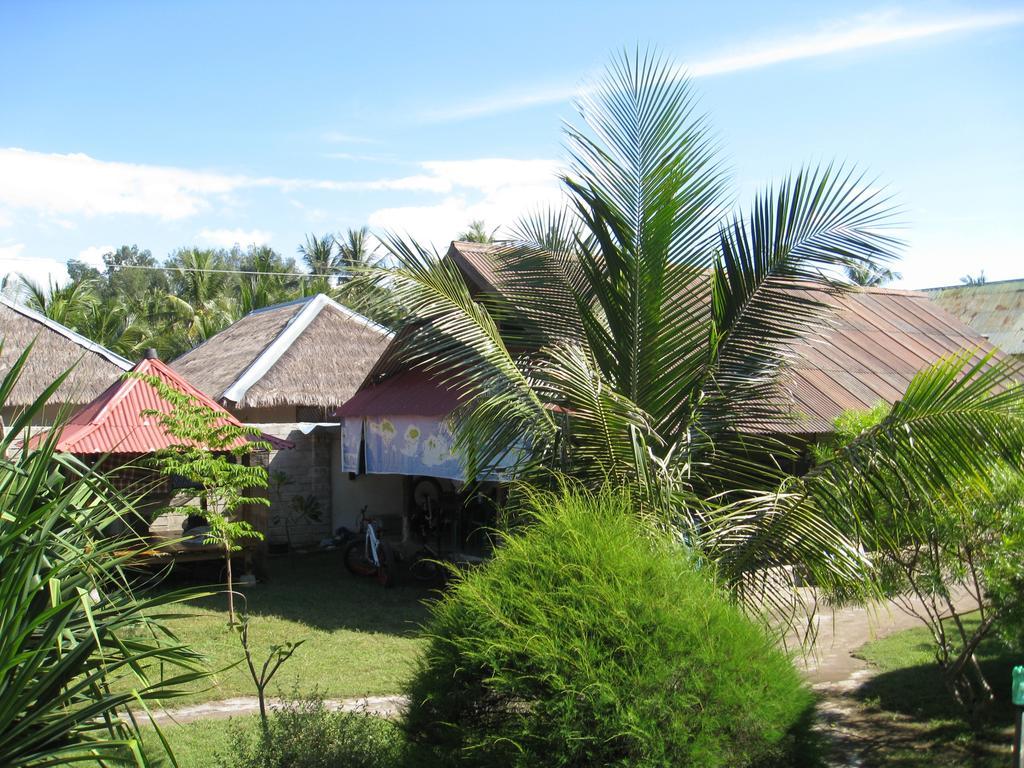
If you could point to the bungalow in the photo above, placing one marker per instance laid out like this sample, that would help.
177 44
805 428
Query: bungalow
995 310
877 339
55 349
118 429
284 369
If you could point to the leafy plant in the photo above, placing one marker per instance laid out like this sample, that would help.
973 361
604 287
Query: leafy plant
81 654
637 338
592 639
304 733
278 655
927 545
208 452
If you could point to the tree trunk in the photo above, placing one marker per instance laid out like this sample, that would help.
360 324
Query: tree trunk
231 589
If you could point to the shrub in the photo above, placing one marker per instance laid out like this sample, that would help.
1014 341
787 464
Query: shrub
592 640
304 733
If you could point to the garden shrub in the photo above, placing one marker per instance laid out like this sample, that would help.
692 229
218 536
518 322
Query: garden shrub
592 640
304 733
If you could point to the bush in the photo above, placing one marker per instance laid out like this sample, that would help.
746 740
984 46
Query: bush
303 733
591 640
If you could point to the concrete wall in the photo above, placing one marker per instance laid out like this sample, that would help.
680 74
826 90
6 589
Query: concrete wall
306 472
383 495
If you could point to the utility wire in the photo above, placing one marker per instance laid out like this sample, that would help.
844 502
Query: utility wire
222 271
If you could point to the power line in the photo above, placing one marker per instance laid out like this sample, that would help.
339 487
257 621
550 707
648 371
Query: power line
222 271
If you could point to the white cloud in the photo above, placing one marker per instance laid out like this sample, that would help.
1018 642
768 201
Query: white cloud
14 262
226 238
6 219
93 255
860 33
76 184
497 190
59 186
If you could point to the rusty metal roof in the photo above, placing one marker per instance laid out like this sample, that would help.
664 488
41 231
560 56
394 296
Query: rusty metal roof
995 310
872 344
117 422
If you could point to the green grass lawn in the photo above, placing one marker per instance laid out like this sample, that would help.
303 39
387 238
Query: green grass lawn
359 637
909 718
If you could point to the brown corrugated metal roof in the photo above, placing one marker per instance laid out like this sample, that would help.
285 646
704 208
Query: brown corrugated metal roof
872 343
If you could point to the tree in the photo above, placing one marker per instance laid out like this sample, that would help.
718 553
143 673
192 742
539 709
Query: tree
79 646
638 335
871 276
66 303
926 545
208 453
978 279
322 260
477 233
355 253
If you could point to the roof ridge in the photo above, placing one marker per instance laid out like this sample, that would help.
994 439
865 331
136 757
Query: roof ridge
287 336
82 341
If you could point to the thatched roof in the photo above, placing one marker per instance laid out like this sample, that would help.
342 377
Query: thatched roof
55 349
310 352
995 310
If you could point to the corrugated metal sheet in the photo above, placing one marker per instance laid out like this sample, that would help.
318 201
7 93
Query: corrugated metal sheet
995 310
874 342
409 393
115 422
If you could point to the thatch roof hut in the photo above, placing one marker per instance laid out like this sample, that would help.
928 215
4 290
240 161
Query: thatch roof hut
307 353
55 349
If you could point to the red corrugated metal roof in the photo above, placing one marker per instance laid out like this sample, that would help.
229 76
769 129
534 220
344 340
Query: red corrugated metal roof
409 393
115 422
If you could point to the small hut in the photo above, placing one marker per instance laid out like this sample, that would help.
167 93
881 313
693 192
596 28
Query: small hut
285 369
55 349
120 430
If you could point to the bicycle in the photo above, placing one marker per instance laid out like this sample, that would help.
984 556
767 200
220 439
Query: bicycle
427 564
369 555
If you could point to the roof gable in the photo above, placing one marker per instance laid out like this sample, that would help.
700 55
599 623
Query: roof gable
55 349
313 351
119 422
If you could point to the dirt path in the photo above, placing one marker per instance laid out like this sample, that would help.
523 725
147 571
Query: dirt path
382 706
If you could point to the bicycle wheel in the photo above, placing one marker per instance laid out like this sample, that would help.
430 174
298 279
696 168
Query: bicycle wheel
356 561
425 567
386 572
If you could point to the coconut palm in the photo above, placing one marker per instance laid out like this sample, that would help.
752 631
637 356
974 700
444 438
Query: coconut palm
638 336
355 251
477 233
322 259
871 275
64 303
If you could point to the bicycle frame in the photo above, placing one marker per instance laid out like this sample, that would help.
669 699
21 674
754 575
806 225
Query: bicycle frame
372 543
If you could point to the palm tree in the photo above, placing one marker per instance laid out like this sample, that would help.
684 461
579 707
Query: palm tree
322 260
64 303
871 275
355 252
639 332
477 233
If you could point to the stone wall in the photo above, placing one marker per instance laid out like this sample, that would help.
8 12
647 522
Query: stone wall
300 486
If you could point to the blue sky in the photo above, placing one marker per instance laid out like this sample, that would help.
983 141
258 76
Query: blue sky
191 123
